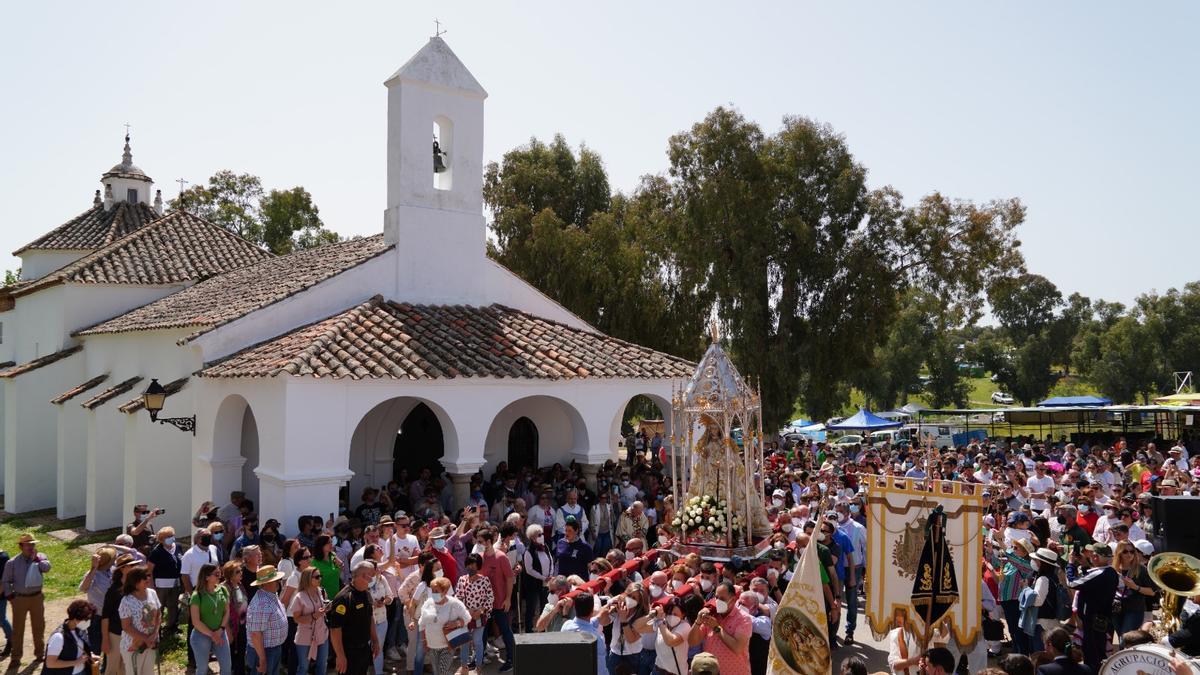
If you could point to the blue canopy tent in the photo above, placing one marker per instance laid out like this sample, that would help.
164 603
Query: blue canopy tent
865 421
1074 401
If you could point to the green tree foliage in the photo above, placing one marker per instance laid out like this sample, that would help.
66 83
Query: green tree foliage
12 276
897 361
777 236
291 221
1023 353
281 221
556 224
1128 362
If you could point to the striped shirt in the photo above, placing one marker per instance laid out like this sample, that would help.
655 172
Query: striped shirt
1016 572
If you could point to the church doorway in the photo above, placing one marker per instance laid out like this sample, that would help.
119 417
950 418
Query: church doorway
394 440
419 444
522 445
235 455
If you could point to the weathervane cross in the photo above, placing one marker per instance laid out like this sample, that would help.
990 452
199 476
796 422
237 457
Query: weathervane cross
127 130
181 182
437 29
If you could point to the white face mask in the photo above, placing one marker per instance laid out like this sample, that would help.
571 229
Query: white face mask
1084 508
630 555
630 602
438 574
797 522
551 598
673 621
721 606
83 625
1037 564
821 537
779 545
787 527
437 597
777 502
706 585
656 591
593 577
676 584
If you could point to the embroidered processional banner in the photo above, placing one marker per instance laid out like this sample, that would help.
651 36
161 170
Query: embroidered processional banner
899 545
800 634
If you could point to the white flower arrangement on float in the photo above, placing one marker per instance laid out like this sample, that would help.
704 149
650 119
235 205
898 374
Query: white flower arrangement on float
703 518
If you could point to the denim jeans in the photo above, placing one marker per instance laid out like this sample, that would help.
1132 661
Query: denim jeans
396 635
381 633
273 654
603 544
503 621
850 605
464 654
1127 621
1012 615
4 624
202 646
321 659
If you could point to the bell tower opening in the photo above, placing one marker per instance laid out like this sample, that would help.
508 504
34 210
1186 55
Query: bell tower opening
443 140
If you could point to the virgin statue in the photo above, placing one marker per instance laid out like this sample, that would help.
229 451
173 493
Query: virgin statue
722 475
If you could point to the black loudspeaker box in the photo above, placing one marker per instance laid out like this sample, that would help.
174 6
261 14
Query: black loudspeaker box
555 654
1175 525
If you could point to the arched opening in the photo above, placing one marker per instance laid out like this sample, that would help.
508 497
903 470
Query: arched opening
537 431
235 454
394 440
419 443
523 445
250 454
643 426
443 144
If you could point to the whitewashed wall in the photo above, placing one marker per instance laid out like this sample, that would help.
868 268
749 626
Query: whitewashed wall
36 264
31 434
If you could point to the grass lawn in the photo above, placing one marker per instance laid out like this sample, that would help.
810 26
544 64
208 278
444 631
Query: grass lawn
70 561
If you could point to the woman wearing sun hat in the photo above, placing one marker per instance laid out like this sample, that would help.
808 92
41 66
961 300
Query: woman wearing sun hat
266 623
1045 586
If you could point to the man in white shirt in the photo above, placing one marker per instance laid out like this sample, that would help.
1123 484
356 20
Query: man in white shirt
370 536
202 552
1040 486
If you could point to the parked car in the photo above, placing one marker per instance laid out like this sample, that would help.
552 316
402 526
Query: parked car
848 440
1002 398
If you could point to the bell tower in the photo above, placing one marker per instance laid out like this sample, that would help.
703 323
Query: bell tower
435 176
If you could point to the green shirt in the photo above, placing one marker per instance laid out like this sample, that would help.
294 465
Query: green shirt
331 575
825 557
212 606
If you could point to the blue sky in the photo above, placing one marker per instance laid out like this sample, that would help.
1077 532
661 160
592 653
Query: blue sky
1086 111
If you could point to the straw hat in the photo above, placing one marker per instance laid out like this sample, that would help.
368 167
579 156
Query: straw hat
705 664
26 539
1046 556
267 574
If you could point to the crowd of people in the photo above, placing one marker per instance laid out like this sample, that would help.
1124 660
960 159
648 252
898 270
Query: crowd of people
406 582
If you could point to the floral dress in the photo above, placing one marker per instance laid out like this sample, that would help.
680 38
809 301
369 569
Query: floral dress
477 595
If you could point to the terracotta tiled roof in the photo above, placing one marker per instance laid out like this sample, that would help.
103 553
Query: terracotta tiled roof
232 295
78 389
175 248
380 339
110 393
138 403
39 362
94 228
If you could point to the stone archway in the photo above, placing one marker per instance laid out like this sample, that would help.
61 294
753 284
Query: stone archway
635 415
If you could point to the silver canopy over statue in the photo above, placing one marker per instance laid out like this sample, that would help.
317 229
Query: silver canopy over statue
716 459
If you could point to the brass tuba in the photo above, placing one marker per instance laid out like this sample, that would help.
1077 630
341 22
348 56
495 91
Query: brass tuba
1178 575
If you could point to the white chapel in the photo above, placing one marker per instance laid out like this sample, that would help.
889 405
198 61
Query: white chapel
299 379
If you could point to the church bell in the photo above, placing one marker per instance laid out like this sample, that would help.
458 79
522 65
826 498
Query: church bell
439 165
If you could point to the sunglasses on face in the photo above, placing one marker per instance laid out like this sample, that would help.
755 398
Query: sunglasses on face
316 576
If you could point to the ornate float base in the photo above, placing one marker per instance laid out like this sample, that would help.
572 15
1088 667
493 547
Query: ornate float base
718 553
